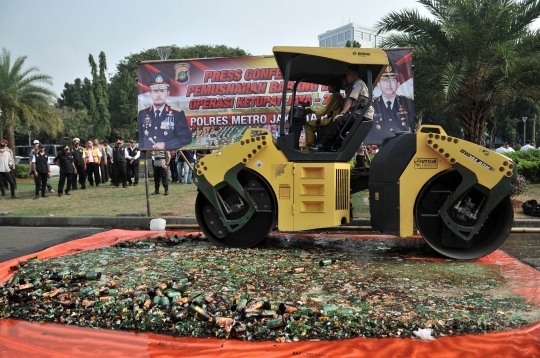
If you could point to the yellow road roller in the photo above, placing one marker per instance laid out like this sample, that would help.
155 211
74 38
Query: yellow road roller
455 192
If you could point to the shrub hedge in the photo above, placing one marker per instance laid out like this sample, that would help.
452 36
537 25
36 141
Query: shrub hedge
528 164
21 170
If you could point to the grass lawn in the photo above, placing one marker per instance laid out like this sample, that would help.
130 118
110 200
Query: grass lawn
104 200
107 201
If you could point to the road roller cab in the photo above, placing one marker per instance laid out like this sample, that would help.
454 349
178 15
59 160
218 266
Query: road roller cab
456 192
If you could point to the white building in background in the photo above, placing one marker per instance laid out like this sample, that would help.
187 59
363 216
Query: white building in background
338 37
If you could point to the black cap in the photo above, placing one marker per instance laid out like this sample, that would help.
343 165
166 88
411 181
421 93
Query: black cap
41 146
159 81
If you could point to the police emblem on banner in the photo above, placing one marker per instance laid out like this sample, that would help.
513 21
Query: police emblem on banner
181 72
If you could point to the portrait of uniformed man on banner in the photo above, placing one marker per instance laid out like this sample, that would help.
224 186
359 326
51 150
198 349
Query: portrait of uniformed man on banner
392 112
161 125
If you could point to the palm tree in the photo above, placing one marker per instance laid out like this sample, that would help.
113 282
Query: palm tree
23 101
470 56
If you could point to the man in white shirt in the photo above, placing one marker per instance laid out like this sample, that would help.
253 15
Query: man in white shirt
502 149
6 164
505 148
132 162
527 146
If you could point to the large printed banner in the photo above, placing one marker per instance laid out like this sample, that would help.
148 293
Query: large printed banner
208 103
393 98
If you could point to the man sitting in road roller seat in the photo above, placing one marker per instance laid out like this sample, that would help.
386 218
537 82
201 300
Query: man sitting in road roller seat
332 109
357 97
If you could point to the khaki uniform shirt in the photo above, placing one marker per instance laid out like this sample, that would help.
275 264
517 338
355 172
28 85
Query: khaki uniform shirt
161 158
359 91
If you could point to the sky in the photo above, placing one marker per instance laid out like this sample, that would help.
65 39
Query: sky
58 35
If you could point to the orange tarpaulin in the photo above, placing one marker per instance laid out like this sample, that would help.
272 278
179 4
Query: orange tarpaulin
25 339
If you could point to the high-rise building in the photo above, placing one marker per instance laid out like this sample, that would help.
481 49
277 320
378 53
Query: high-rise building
351 32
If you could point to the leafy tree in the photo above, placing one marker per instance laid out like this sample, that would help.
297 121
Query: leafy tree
123 93
471 56
102 76
506 122
102 98
23 101
447 120
352 44
98 109
197 51
76 95
75 124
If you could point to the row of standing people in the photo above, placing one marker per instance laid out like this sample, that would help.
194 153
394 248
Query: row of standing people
93 163
97 163
122 164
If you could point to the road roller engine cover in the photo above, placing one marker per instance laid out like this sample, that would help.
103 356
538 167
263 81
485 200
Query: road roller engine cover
454 192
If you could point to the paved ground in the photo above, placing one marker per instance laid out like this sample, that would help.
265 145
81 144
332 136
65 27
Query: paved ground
19 241
525 248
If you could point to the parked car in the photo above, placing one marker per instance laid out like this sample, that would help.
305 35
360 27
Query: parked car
21 160
24 150
55 169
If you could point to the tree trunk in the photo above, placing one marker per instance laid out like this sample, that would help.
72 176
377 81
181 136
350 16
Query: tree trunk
418 119
10 128
11 139
493 133
473 122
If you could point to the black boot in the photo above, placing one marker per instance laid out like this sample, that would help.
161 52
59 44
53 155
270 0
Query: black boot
156 192
321 146
166 190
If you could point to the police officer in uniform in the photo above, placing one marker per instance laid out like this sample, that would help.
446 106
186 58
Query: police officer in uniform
162 126
132 162
78 159
393 113
118 160
42 170
64 160
161 163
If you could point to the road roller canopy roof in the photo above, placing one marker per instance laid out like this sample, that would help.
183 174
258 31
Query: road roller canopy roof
320 64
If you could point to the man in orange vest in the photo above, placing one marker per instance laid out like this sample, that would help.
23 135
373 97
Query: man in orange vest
92 157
